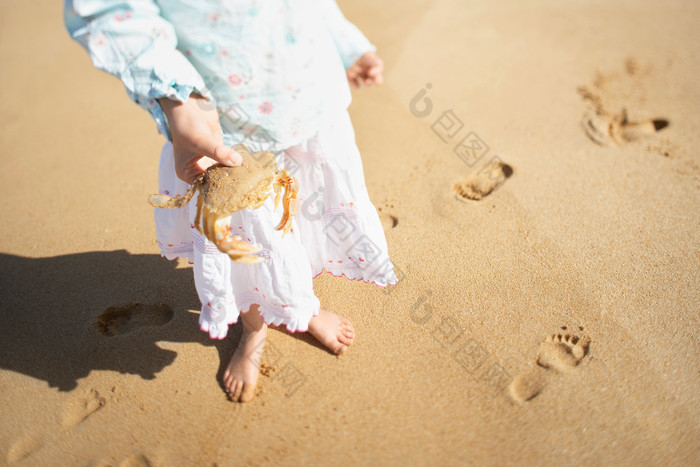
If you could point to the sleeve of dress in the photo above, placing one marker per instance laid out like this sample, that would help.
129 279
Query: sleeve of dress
132 41
349 40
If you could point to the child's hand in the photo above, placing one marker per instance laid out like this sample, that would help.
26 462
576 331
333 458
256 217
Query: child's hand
367 70
196 132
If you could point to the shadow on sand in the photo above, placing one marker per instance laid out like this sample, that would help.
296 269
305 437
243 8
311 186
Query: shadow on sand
50 309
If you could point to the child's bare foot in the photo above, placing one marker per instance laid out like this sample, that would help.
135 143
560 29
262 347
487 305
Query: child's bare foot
241 376
331 330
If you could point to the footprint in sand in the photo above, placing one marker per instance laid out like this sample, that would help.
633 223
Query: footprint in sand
389 221
124 319
484 182
561 352
606 121
137 460
23 448
607 129
74 412
80 408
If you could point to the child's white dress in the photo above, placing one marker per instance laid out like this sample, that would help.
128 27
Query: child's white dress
276 71
337 229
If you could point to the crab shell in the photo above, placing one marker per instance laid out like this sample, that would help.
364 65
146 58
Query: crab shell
225 190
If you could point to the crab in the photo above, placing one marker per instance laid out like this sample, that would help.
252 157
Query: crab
225 190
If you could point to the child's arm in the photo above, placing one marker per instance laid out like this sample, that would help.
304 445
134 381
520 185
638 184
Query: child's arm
130 40
362 64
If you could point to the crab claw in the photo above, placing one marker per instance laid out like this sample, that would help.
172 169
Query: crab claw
234 246
239 250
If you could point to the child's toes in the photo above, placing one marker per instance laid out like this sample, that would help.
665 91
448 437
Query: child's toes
345 337
227 381
230 385
346 325
236 390
338 346
346 334
247 392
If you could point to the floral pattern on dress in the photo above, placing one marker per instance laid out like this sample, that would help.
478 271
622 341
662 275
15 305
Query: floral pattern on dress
273 61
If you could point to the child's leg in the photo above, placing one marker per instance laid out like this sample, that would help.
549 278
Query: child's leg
278 291
241 376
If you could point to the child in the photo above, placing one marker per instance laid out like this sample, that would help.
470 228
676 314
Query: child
272 75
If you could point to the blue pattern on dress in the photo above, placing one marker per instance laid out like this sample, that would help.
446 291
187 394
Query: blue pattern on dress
273 68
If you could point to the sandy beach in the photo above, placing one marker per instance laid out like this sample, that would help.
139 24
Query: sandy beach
553 319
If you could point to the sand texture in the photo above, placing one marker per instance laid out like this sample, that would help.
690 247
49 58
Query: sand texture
536 168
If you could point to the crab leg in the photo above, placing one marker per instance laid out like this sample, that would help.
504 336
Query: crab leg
277 186
163 201
235 247
207 219
258 204
289 201
198 216
240 251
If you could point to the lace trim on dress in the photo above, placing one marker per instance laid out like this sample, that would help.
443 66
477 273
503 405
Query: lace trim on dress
216 318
